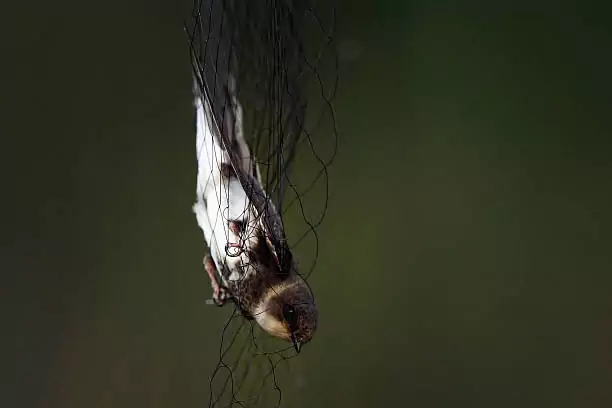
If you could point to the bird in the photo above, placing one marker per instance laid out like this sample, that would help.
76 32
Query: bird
250 262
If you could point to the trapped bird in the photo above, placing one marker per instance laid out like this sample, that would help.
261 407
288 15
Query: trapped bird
250 262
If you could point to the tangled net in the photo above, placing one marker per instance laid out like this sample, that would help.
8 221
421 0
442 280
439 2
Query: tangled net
282 56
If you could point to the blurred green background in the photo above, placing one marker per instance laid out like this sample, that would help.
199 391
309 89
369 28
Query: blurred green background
465 260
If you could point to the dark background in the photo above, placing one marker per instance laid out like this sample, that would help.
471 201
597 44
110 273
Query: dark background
465 260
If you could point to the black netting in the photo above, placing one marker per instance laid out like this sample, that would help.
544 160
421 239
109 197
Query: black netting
279 56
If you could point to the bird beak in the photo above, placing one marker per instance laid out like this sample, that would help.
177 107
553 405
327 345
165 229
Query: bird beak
296 344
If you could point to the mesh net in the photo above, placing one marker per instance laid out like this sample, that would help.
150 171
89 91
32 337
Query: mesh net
281 55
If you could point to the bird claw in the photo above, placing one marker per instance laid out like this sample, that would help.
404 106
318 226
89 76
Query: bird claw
220 295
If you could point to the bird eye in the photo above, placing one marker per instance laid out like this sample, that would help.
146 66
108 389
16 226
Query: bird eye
288 310
289 315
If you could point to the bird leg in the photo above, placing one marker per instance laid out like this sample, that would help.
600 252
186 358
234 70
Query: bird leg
220 294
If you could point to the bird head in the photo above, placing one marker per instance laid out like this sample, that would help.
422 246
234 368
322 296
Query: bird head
288 311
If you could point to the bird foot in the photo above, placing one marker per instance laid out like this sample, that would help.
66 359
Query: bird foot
220 293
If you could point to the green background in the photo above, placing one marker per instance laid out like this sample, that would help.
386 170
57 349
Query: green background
465 260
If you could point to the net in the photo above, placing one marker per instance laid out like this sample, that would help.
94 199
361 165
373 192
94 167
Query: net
278 58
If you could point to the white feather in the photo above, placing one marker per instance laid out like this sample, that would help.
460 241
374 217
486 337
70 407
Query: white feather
219 199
